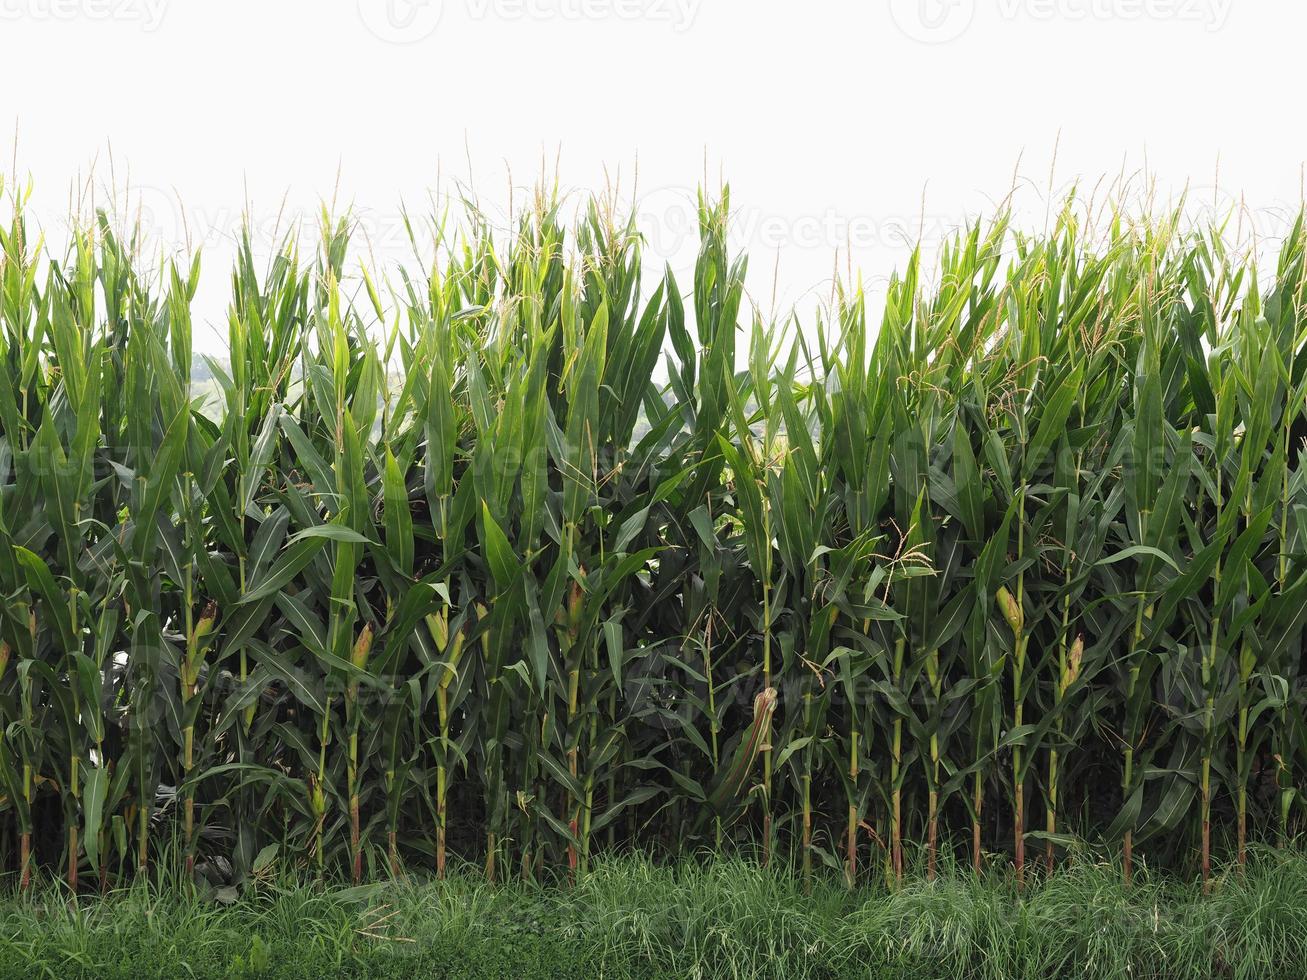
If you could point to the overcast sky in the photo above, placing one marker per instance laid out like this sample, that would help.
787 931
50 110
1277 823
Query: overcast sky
840 124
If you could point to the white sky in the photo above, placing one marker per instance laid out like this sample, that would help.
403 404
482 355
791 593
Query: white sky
833 120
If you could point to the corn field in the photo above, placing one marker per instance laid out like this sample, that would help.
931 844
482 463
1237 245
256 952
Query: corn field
524 554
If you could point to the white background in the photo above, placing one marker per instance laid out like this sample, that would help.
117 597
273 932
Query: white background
841 125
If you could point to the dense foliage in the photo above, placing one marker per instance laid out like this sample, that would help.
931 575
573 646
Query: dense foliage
527 556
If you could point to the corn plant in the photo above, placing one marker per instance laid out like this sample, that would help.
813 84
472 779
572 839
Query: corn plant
522 552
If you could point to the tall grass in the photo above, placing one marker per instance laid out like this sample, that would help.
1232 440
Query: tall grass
528 556
631 917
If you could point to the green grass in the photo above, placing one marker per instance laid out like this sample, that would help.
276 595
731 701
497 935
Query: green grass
632 918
